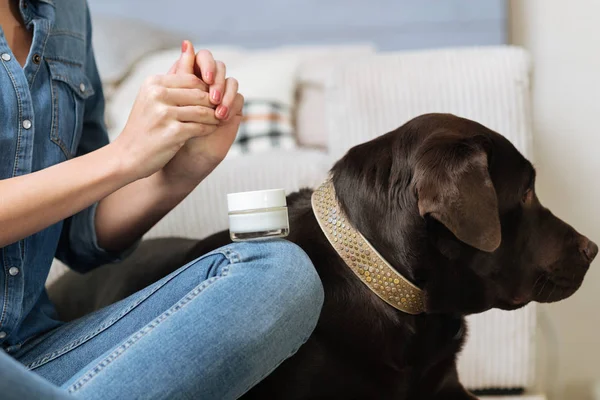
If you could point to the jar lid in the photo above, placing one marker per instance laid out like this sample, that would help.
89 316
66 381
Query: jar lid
256 199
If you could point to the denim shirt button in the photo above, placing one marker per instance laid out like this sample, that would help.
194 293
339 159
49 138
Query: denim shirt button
13 271
6 57
82 87
2 335
27 124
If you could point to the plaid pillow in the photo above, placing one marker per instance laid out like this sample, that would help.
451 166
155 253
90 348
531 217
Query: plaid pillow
265 125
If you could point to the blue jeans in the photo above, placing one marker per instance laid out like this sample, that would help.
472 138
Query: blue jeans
210 330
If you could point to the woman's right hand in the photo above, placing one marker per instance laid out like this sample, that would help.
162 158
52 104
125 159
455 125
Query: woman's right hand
168 111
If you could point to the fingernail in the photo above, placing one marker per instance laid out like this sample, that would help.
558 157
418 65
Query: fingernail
184 46
222 111
215 96
209 77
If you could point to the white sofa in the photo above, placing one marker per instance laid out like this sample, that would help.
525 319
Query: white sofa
351 95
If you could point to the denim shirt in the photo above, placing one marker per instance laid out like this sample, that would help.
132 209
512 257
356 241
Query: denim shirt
51 110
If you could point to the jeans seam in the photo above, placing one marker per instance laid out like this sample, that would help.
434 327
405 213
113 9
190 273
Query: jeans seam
120 350
49 357
230 255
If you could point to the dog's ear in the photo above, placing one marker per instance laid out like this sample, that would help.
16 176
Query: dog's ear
453 186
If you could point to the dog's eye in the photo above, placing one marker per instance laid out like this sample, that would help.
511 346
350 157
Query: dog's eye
527 196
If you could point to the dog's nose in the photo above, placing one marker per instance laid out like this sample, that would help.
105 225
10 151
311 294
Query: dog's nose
589 249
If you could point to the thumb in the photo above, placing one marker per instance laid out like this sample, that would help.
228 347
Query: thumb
188 58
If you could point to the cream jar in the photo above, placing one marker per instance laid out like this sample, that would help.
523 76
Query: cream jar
258 215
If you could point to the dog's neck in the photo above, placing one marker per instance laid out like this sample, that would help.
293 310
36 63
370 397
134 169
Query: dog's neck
361 257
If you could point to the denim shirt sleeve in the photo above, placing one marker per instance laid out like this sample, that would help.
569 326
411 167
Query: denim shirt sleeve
78 246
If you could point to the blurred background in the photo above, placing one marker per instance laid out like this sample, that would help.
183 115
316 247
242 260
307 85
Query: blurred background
546 99
563 41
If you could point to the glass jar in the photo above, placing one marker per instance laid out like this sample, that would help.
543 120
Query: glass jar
258 214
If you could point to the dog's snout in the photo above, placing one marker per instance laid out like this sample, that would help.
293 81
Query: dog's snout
589 249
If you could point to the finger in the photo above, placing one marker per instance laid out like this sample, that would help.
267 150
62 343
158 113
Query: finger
199 114
205 66
238 106
231 88
187 59
181 81
188 97
218 87
196 129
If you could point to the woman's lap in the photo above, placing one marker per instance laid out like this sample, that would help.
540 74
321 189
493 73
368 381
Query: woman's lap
214 328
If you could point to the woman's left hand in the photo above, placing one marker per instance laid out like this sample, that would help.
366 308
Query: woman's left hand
200 155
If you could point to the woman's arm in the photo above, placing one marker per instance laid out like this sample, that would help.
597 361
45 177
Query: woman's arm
124 216
32 202
167 113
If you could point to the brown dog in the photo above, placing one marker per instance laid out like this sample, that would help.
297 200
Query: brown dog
451 205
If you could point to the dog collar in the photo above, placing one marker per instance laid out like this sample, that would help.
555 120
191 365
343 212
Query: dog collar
362 258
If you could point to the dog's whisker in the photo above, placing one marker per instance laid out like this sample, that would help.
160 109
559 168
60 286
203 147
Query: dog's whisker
540 289
543 286
550 294
536 282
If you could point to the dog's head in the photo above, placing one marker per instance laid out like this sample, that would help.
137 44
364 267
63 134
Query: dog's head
452 205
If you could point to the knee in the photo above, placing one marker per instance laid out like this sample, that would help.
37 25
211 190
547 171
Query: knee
292 285
302 291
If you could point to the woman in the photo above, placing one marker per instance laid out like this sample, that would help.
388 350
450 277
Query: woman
210 330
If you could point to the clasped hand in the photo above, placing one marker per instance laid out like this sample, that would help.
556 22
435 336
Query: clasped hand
182 123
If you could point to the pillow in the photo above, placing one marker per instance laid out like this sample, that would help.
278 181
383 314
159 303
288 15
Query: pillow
318 62
267 79
265 125
315 65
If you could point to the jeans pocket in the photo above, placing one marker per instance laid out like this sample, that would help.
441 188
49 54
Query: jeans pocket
70 88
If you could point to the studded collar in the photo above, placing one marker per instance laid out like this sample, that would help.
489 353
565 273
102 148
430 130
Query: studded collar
361 257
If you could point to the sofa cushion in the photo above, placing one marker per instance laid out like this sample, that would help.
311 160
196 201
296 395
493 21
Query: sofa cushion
489 85
318 62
